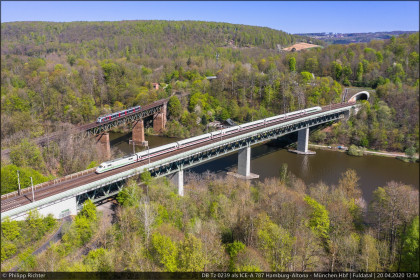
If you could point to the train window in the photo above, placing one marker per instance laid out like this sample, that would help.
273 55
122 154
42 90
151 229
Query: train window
109 165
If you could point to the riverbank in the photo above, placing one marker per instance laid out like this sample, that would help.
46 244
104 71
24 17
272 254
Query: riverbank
377 153
325 166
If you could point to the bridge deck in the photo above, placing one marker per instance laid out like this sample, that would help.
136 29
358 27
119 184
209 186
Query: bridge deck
44 192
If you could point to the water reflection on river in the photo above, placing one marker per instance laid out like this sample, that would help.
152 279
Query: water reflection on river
325 166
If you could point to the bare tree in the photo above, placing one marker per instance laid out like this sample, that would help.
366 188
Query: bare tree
147 216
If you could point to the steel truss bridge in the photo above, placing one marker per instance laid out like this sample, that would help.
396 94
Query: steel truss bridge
145 111
98 128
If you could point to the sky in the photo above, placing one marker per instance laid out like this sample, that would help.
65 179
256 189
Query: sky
289 16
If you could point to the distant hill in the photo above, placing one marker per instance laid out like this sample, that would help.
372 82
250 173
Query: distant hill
347 38
153 38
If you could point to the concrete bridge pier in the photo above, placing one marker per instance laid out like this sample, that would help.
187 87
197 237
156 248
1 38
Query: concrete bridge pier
159 120
103 144
178 179
244 165
138 133
302 144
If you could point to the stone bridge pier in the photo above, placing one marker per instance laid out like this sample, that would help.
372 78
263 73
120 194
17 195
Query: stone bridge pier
159 120
138 133
103 144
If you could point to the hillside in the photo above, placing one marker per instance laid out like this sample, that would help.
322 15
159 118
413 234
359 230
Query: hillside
55 75
151 38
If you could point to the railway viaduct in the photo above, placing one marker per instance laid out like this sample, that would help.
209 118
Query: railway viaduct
64 196
157 110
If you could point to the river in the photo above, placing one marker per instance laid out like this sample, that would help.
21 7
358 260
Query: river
325 166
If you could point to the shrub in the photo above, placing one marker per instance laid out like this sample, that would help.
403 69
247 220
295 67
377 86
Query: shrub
355 151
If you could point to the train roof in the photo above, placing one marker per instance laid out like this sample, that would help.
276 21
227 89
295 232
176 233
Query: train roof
117 159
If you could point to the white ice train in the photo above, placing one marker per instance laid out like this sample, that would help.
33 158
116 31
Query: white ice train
116 163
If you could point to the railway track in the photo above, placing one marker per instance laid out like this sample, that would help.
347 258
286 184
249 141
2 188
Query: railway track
23 199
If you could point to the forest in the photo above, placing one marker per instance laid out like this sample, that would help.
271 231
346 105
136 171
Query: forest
55 76
227 224
58 75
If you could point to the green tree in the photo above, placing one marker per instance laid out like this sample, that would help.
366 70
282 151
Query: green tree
97 260
27 259
379 57
146 177
292 64
10 229
71 59
306 76
283 172
336 70
410 152
83 231
354 151
369 256
349 183
165 252
359 72
27 154
319 220
89 210
8 249
311 64
410 252
413 59
233 250
224 115
347 72
35 223
9 182
276 243
129 195
174 108
191 257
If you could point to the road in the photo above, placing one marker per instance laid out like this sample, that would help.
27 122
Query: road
70 183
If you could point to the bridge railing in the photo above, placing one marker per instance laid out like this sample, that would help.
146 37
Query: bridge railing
52 182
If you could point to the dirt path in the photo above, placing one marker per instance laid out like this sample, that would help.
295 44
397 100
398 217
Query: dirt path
381 153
